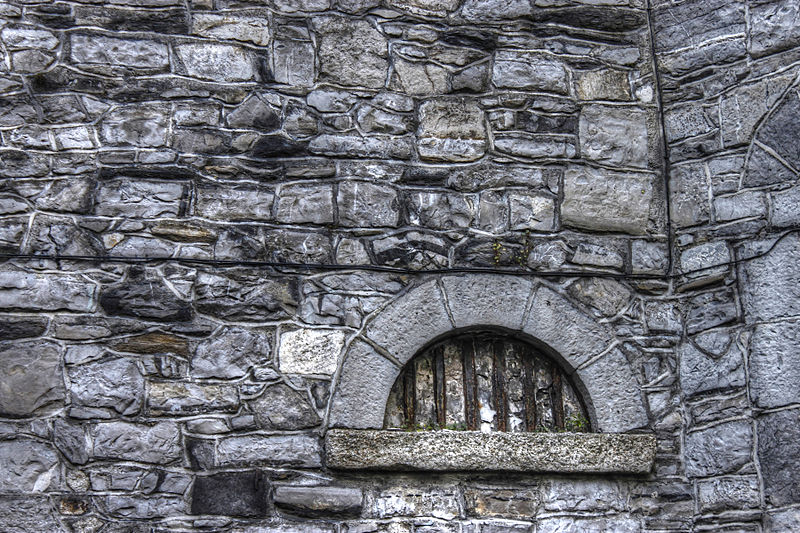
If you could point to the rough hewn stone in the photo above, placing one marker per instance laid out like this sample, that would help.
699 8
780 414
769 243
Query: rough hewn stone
169 398
27 465
605 200
721 449
105 388
46 292
526 70
351 52
157 443
320 500
302 451
614 135
365 204
703 372
451 130
231 353
771 284
281 407
775 364
218 62
487 300
777 452
230 494
31 378
310 351
97 49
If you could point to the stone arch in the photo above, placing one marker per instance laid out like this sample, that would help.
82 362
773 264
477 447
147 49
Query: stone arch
586 349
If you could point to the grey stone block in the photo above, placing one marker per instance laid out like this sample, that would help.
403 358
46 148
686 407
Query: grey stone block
614 394
23 514
609 297
230 353
281 407
365 381
771 284
234 203
46 292
299 451
484 300
294 62
299 204
239 28
775 364
700 372
351 52
139 198
27 465
728 493
218 62
143 295
105 389
140 125
242 296
529 70
778 449
230 494
411 322
99 49
722 449
476 451
786 208
710 310
365 204
158 443
574 335
70 439
142 507
31 377
605 200
173 398
451 130
319 500
614 135
775 26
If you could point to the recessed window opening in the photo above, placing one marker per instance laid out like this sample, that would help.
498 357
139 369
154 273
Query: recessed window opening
487 381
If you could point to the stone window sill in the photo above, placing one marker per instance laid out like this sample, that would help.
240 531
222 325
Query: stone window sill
585 453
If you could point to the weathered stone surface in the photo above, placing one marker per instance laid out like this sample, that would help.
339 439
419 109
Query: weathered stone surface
98 49
605 200
157 443
170 398
531 213
46 292
471 450
255 113
231 353
710 310
153 343
141 125
598 255
481 10
728 493
775 364
614 393
614 135
777 131
310 351
366 379
742 205
351 52
139 198
439 503
585 495
239 28
440 210
241 296
379 147
786 208
487 300
320 500
775 26
771 284
294 63
528 70
721 449
649 257
70 439
281 407
706 262
301 204
142 507
620 524
301 451
409 323
27 465
106 388
230 494
218 62
702 372
560 325
778 448
365 204
606 295
451 130
23 514
140 296
30 377
234 203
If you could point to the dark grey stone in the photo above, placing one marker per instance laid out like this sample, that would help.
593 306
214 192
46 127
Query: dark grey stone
231 353
12 327
31 376
775 26
701 372
778 449
200 453
319 500
710 310
70 439
230 494
144 295
46 292
242 296
281 407
777 132
23 514
142 507
771 284
300 204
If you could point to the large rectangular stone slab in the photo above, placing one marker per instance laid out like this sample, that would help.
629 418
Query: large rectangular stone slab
301 451
490 452
599 199
775 364
771 284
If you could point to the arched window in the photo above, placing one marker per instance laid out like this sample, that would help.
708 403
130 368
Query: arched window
484 380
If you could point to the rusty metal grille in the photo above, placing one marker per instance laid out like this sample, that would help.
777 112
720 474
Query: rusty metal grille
484 381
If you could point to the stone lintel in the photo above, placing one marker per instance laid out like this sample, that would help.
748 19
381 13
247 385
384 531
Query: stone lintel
584 453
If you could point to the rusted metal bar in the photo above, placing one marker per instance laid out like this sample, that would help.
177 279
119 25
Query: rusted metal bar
557 399
529 390
440 394
499 395
471 408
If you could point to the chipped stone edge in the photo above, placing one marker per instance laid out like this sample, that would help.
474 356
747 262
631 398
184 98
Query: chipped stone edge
442 451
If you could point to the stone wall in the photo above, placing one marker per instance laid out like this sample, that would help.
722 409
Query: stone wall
609 155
